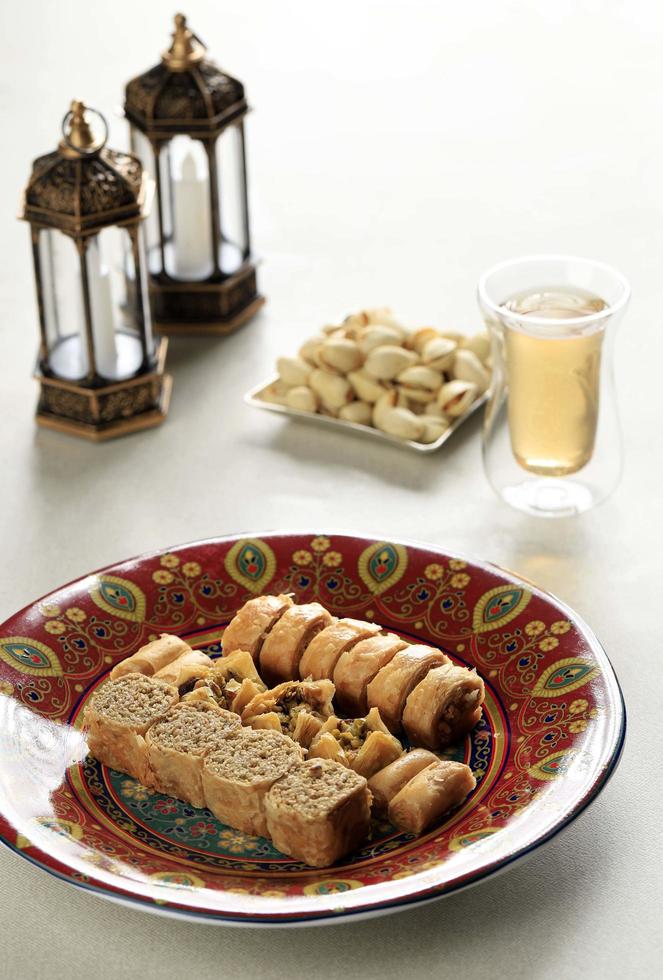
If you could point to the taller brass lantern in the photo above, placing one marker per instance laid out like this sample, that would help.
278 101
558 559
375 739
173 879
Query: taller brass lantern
101 372
187 127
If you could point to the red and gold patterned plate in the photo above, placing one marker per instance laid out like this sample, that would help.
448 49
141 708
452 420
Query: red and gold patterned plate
550 737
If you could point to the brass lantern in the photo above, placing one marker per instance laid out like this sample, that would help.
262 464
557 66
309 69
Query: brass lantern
187 127
101 374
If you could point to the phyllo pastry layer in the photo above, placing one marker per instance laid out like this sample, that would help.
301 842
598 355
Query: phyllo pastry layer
152 657
443 706
430 794
295 708
384 785
357 667
251 624
389 689
322 653
363 744
286 642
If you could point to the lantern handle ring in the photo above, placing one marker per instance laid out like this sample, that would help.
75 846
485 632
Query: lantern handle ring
93 145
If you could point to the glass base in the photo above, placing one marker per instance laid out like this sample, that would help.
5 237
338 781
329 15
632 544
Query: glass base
545 497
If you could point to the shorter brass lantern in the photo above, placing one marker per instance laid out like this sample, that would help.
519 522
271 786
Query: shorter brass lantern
187 127
101 373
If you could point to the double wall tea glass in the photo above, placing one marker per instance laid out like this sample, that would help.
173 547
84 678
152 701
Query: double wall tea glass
551 438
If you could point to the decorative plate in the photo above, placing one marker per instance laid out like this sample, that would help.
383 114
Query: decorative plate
550 737
256 397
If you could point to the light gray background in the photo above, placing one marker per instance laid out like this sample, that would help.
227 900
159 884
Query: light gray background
396 150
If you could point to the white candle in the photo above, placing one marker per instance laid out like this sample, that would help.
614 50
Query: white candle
192 231
101 303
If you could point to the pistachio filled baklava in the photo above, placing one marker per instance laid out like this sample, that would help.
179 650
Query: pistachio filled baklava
384 785
251 624
429 795
152 657
296 708
445 705
231 682
363 744
183 672
389 689
357 667
323 652
287 640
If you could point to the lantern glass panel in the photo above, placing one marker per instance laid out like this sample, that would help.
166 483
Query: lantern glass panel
62 304
186 209
141 146
230 164
116 329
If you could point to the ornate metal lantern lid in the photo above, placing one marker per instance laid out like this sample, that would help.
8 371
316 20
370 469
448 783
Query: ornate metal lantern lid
185 93
83 185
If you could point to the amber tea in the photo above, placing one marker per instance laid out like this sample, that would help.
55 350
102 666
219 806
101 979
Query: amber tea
553 379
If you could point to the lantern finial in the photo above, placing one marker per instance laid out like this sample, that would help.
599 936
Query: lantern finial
78 139
186 49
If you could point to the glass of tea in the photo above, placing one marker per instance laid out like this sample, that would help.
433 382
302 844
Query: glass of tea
551 438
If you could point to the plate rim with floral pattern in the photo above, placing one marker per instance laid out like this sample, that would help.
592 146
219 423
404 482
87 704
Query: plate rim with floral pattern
551 737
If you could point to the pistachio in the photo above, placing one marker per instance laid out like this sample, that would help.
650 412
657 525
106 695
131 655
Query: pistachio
366 387
420 338
356 321
388 361
302 398
360 412
401 422
468 367
479 344
377 335
309 349
419 382
438 353
455 397
293 370
433 428
334 329
387 400
340 354
334 391
454 335
385 318
276 393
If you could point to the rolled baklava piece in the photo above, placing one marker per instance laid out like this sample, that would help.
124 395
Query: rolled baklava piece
287 640
251 624
118 716
237 777
445 705
152 657
183 672
318 812
357 667
363 744
323 652
296 708
425 799
389 689
177 744
232 681
384 785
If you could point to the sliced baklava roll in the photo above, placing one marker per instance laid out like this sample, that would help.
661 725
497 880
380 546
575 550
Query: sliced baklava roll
384 785
363 744
237 776
251 624
389 689
318 812
287 640
231 681
152 656
296 708
118 716
357 667
183 672
430 794
443 706
323 652
177 744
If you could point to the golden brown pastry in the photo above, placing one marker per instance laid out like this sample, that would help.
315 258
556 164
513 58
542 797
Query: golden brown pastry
177 744
321 655
118 716
443 706
357 667
384 785
183 672
363 744
295 708
251 624
429 795
231 681
237 776
318 812
287 640
152 656
389 689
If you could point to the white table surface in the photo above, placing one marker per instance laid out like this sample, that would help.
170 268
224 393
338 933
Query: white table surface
397 149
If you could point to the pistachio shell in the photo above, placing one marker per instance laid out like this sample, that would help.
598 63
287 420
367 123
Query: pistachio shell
276 393
433 428
454 335
360 412
377 335
420 338
302 398
388 361
479 344
390 399
340 354
332 329
438 353
420 377
366 387
455 397
293 370
309 349
334 391
356 321
384 317
401 422
468 367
